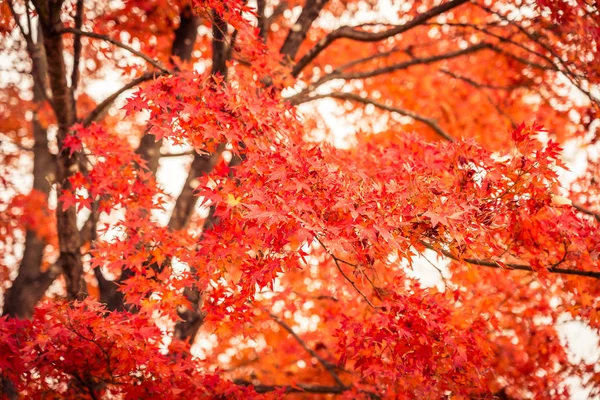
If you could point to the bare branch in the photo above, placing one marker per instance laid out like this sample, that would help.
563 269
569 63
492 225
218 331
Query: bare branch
310 351
480 85
26 35
402 65
521 60
351 32
148 149
358 61
587 211
219 45
77 46
512 266
185 34
36 52
26 290
338 74
299 388
494 104
486 94
62 101
101 108
365 100
157 64
298 31
279 9
202 164
262 20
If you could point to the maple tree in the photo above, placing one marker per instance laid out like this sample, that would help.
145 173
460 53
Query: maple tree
284 266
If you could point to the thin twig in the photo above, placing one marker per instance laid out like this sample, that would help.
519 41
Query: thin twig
480 85
155 63
404 65
102 107
350 32
365 100
337 264
26 35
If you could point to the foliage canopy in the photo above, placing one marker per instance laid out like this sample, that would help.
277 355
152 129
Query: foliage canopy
284 265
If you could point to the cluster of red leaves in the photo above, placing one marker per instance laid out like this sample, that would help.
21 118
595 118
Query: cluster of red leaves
78 350
414 348
117 172
29 212
389 200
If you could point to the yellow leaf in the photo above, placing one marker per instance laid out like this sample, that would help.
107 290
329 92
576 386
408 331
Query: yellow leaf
233 201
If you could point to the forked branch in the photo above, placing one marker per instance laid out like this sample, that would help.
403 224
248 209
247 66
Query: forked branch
354 33
336 260
365 100
106 103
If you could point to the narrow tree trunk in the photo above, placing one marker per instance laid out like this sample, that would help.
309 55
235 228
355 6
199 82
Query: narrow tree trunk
31 283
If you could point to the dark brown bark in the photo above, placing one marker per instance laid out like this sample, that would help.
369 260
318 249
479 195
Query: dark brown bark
7 388
68 234
299 388
185 34
298 32
219 46
31 283
262 20
365 100
76 48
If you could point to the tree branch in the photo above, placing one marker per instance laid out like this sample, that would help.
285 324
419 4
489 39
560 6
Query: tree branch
185 34
148 148
365 100
36 52
535 37
351 32
402 65
310 351
219 45
157 64
62 101
261 20
587 211
77 46
101 108
202 164
26 35
299 388
336 260
279 9
298 31
512 266
480 85
182 154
